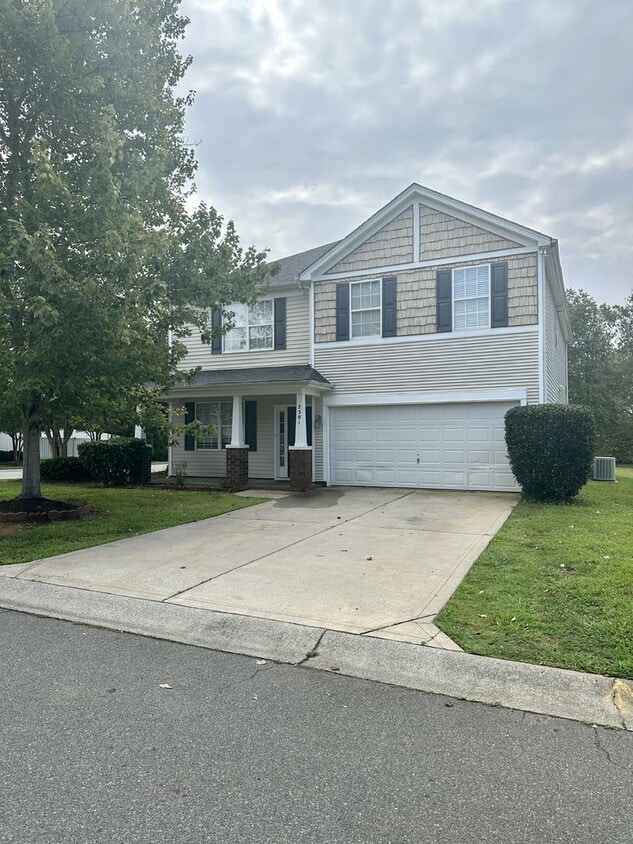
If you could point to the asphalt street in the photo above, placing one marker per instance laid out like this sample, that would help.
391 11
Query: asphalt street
109 737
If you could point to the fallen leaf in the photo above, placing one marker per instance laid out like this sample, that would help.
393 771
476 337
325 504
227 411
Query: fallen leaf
165 686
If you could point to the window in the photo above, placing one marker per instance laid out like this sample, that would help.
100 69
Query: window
471 298
253 329
220 415
365 307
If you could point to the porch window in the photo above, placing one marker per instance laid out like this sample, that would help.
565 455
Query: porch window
365 307
471 297
220 415
253 330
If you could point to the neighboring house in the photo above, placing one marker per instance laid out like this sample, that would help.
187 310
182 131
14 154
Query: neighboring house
388 358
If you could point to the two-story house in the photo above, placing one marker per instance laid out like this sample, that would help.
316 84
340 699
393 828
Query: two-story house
388 358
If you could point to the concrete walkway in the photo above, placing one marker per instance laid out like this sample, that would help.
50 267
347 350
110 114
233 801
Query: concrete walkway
380 562
339 580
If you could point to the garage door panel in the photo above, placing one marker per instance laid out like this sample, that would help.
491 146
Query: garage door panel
458 446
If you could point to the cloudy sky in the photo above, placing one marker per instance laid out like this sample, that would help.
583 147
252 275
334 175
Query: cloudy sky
312 114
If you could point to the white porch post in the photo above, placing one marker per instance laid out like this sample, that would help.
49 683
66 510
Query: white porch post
301 431
237 428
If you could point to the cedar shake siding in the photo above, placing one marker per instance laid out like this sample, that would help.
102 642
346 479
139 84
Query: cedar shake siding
442 236
393 244
416 297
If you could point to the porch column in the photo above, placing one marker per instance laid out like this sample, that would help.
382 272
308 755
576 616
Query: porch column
237 451
300 453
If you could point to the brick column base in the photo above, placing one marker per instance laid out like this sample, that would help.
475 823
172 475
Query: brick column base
237 469
300 469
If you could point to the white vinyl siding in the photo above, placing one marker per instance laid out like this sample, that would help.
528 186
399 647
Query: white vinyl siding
211 463
471 297
297 349
436 446
555 353
492 361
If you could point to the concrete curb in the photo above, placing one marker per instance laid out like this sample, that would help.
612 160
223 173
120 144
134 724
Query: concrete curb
573 695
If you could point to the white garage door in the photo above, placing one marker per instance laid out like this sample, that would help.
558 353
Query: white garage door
448 446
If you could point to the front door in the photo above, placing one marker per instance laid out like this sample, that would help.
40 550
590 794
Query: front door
285 435
281 442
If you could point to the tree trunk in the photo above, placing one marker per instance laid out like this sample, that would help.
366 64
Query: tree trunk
31 487
53 437
16 441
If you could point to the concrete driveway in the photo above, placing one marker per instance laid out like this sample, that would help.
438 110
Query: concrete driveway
380 562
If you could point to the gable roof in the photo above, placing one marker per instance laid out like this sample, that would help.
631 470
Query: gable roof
432 199
293 265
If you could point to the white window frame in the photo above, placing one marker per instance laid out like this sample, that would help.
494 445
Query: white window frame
363 310
471 298
217 403
248 328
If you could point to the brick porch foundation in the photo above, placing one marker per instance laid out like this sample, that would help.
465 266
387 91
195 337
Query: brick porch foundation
300 469
237 468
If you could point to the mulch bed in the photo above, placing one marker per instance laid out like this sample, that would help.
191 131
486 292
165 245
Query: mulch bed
42 510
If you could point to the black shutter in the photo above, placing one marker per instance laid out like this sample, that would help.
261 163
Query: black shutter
498 295
216 340
280 323
389 324
190 416
444 299
250 424
342 311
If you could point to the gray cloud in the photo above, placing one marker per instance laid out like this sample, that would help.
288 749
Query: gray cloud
311 115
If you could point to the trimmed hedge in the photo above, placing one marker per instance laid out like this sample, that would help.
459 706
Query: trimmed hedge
551 449
64 470
7 456
118 461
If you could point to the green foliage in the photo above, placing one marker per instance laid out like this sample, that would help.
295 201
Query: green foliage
64 470
100 254
555 585
118 513
601 370
551 449
6 457
114 462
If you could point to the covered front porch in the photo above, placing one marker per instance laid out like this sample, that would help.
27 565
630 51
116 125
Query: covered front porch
261 425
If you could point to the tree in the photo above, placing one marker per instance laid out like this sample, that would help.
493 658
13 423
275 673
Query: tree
601 370
99 258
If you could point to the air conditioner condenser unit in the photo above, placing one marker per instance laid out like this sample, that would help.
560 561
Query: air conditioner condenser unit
604 468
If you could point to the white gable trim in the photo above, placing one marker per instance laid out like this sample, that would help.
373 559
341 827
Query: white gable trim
435 262
413 195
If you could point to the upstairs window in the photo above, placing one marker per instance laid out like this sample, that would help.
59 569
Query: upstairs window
365 308
471 298
253 330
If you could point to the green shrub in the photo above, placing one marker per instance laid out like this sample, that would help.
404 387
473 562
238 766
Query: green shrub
551 449
64 470
7 456
114 462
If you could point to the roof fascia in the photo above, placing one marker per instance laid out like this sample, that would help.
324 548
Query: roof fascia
439 202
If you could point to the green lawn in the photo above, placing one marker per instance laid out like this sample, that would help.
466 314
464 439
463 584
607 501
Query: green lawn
118 513
555 586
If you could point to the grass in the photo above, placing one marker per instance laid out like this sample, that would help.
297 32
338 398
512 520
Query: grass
118 513
555 586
